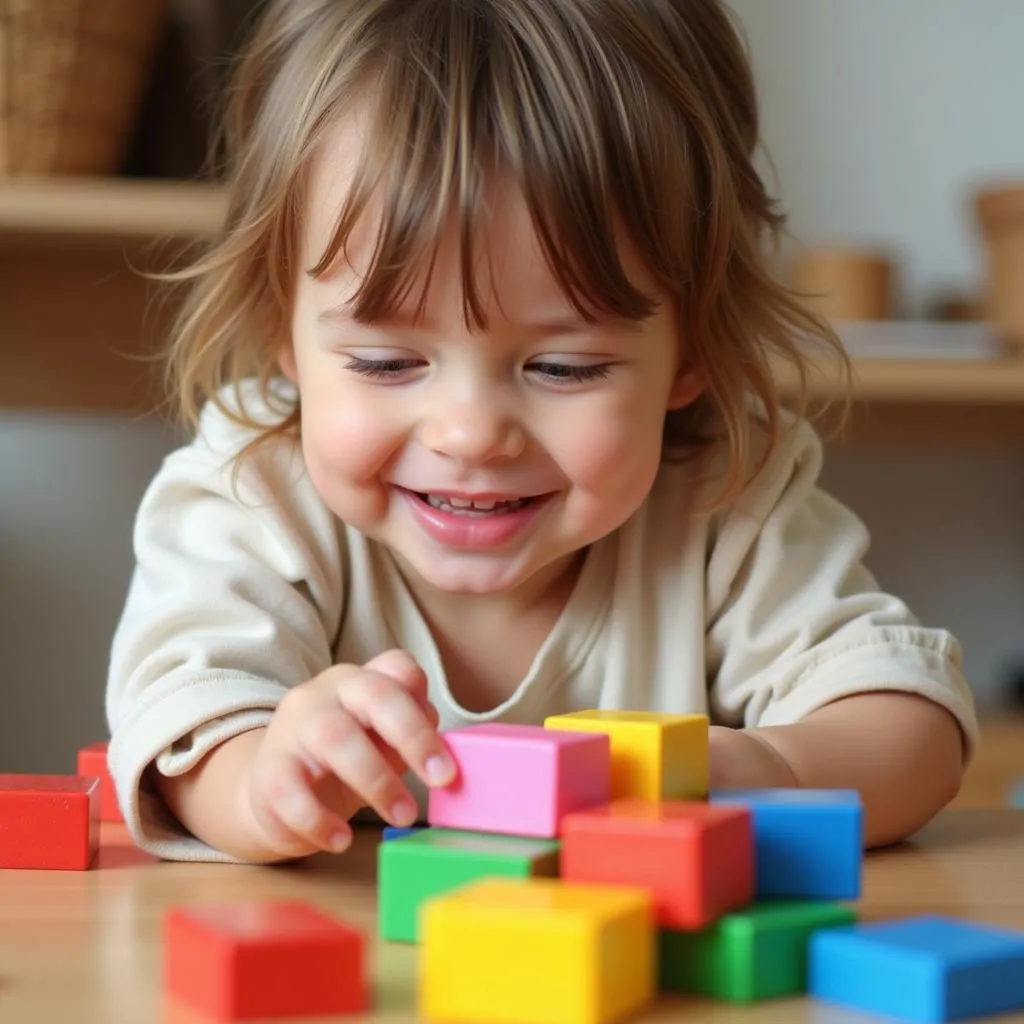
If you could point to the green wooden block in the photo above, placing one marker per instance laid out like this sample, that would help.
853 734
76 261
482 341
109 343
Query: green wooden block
756 953
433 861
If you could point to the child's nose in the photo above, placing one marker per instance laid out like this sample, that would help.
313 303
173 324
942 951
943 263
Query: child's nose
472 432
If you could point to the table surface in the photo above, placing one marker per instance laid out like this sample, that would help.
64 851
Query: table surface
86 946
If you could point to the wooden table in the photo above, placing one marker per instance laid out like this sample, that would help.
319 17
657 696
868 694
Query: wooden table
84 947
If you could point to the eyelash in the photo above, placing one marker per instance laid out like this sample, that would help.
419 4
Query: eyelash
382 369
379 367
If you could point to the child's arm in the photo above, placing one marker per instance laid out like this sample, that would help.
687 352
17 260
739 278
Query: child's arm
903 753
836 682
208 800
234 609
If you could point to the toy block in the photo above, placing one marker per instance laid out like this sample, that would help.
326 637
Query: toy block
926 968
654 756
92 761
519 779
49 822
398 831
697 861
263 960
808 843
435 861
759 952
1017 794
536 951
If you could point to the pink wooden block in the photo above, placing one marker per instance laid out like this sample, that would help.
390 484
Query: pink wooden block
521 779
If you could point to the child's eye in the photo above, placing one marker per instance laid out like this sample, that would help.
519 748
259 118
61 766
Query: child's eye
380 368
559 373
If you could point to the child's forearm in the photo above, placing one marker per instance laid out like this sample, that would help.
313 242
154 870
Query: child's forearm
208 800
903 753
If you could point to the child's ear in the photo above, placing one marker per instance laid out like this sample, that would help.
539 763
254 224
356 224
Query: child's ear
286 361
686 388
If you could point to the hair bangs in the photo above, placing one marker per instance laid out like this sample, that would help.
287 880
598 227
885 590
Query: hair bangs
448 133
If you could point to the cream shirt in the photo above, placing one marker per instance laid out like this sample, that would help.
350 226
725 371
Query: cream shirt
756 614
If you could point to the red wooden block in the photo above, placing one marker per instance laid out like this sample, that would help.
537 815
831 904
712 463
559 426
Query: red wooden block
49 821
697 862
259 960
92 760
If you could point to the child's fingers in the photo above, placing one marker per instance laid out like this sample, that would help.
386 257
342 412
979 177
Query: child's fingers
401 722
392 757
337 740
432 714
403 668
294 821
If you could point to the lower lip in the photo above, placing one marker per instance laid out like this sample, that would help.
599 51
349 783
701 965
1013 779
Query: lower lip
477 533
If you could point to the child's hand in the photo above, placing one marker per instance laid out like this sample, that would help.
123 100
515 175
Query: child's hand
340 742
739 758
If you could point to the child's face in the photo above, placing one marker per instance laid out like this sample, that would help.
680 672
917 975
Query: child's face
562 418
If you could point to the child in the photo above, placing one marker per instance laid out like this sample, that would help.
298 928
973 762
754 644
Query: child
485 427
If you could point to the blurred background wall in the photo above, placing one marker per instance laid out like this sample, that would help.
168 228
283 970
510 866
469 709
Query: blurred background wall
880 116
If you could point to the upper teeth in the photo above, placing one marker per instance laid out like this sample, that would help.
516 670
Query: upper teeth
442 500
465 503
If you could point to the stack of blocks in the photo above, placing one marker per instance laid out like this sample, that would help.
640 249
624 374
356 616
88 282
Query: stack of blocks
573 871
570 873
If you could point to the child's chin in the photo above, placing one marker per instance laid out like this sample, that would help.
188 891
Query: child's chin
479 579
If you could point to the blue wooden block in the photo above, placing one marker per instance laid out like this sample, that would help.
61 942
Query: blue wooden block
396 832
926 969
808 843
1017 794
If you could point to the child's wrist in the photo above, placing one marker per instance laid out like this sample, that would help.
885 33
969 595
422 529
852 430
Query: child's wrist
255 842
783 773
743 758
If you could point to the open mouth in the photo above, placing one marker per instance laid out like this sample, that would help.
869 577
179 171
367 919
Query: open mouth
476 509
485 523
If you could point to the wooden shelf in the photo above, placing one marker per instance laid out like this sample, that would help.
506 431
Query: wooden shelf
921 361
909 364
924 381
110 207
963 384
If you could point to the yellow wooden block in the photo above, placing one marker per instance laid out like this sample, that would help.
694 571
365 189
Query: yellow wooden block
536 951
654 756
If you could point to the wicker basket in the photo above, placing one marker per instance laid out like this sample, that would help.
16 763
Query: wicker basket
72 73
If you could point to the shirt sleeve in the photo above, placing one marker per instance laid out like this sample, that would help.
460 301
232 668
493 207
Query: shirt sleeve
796 620
235 597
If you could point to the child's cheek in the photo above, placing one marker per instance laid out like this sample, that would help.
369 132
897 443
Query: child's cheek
347 456
348 439
613 454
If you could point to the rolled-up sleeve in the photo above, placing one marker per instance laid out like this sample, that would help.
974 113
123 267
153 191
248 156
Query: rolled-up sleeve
235 597
796 620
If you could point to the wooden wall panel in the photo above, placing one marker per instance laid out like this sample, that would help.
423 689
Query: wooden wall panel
77 323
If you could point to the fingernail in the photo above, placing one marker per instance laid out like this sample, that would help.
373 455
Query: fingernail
403 811
440 768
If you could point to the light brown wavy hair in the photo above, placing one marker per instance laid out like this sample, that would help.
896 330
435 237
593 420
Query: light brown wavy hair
639 113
